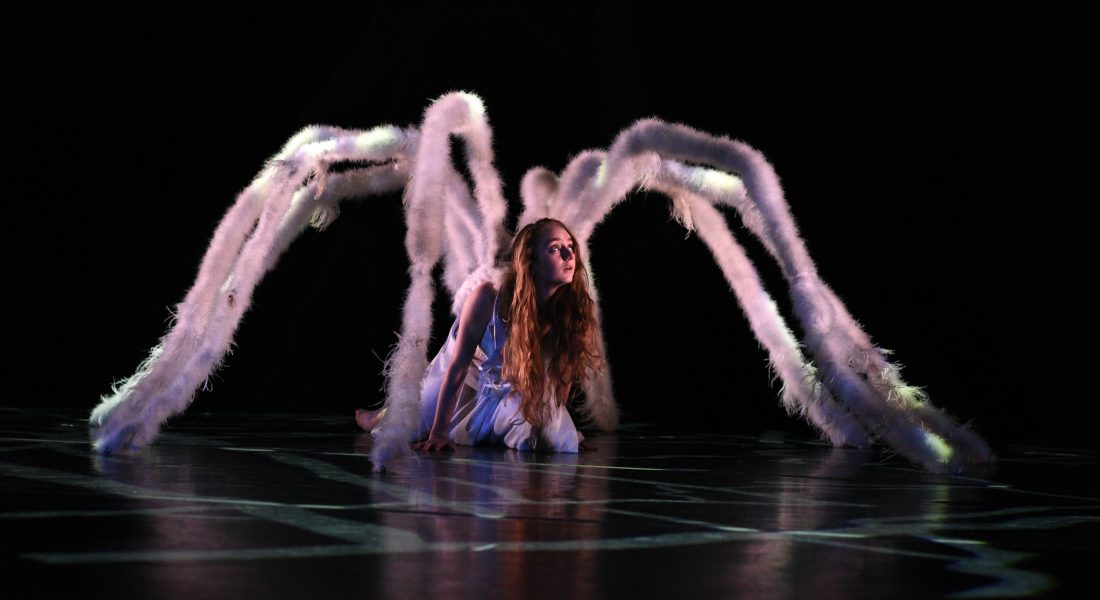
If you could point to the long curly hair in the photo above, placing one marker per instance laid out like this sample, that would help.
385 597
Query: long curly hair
548 348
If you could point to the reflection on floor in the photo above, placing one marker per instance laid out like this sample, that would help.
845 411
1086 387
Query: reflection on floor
277 506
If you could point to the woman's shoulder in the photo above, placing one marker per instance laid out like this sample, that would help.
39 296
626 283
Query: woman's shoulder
481 301
487 291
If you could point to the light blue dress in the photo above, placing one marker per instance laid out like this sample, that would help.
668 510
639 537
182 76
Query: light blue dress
490 412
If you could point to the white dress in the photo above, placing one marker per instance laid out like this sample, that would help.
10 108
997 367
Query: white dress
490 412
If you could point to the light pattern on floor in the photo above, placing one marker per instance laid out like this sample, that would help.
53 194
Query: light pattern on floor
737 514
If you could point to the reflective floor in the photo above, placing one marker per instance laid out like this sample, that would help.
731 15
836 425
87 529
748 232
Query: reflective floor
281 506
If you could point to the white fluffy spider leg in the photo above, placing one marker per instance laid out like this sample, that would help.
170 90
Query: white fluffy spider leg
538 191
166 382
801 392
869 385
461 251
366 181
433 186
599 406
487 186
919 432
582 182
850 364
692 189
719 188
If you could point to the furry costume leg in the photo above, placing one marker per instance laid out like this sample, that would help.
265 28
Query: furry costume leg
870 397
266 217
852 393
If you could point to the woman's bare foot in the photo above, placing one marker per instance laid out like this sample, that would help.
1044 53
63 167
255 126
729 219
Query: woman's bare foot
368 419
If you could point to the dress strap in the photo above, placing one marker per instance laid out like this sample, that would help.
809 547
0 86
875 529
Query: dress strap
493 325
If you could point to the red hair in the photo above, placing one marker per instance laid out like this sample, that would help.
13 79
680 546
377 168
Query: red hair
561 335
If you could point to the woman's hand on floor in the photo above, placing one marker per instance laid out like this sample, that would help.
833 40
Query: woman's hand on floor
434 443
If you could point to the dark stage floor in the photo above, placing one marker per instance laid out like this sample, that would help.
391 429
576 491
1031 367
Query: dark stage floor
279 506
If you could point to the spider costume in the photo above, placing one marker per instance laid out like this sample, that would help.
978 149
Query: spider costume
848 391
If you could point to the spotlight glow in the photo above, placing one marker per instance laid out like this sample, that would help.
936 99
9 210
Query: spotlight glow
939 446
375 138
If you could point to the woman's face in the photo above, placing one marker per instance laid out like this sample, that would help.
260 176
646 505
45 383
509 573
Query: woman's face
554 257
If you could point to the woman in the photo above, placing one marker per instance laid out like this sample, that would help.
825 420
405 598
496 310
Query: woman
528 343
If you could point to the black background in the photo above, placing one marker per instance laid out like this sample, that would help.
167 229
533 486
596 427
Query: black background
936 158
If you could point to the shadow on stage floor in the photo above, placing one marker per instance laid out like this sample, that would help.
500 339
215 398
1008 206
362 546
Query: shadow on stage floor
279 506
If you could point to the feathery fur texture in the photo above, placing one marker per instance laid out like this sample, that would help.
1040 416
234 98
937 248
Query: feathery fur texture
431 225
257 229
853 394
850 392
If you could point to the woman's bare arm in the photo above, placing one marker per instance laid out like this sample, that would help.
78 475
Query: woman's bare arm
476 313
